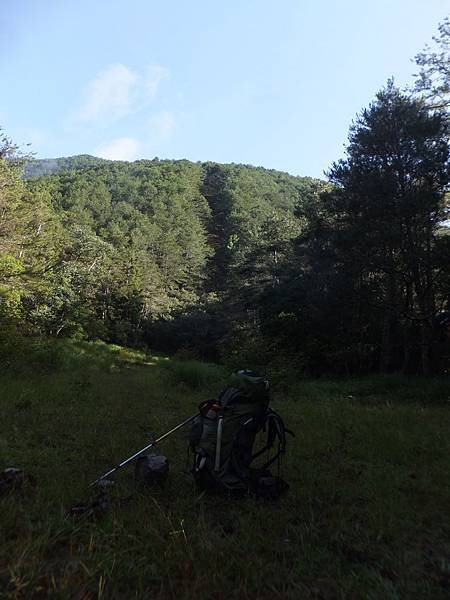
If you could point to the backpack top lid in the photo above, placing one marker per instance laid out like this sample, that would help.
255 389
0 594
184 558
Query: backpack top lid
250 383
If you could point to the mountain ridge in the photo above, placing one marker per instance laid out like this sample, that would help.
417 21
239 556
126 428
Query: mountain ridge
39 167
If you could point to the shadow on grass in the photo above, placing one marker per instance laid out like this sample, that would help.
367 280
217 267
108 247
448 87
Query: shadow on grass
378 389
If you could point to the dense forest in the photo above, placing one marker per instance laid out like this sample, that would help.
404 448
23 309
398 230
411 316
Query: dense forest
242 264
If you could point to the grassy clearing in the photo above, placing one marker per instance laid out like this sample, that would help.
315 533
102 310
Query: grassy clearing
366 517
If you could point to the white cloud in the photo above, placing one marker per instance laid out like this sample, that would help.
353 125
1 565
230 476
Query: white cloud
118 91
121 149
162 125
109 94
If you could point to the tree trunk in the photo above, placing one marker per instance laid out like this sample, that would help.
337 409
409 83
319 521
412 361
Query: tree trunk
386 345
425 347
406 349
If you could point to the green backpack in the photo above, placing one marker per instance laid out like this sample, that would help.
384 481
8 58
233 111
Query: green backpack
223 435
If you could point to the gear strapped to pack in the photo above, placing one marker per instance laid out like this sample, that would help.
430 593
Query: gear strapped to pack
223 436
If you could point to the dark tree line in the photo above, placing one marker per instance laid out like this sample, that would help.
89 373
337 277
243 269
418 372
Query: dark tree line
370 271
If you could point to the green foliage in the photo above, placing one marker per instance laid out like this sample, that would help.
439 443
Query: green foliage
194 374
10 266
245 346
242 264
48 166
390 201
137 240
20 354
433 80
369 271
154 246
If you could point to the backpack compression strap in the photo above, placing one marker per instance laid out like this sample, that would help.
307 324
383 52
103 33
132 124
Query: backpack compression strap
275 429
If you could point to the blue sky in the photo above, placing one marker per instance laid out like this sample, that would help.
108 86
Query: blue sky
258 82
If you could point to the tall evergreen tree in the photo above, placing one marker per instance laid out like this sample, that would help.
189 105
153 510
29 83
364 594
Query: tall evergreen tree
433 79
388 203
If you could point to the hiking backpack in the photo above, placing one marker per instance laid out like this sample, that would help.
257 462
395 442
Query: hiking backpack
223 435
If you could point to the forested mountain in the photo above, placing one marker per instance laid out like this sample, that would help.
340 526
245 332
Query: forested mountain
150 251
47 166
239 263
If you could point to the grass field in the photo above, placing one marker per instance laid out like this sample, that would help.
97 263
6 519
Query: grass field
367 514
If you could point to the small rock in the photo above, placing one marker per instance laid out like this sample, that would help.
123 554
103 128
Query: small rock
13 479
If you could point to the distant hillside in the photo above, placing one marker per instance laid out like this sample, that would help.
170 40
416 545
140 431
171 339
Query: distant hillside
48 166
138 245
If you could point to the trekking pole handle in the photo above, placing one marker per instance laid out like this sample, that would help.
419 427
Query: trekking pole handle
139 452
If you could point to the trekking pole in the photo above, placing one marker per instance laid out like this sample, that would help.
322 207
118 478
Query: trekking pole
218 442
139 452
